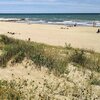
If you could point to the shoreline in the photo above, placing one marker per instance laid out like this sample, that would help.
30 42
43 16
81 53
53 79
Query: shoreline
78 37
80 23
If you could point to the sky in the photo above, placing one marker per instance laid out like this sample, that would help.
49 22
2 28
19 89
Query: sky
49 6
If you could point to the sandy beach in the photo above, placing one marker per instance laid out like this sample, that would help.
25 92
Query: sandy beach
32 76
79 37
50 50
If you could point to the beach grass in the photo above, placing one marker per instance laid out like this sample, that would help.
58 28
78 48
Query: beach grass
52 57
40 54
56 59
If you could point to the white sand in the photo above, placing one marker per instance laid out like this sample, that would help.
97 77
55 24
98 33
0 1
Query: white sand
81 37
74 79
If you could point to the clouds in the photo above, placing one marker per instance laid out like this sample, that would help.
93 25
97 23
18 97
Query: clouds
58 6
54 2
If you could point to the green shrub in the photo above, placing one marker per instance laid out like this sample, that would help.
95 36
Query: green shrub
48 56
60 66
6 40
19 57
40 54
78 57
8 91
95 82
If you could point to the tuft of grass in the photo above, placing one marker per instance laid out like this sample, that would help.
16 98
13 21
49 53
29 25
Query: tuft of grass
8 91
95 82
78 57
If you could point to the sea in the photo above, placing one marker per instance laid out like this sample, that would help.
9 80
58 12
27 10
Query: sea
80 19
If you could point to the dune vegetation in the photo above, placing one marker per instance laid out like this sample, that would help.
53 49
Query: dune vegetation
56 59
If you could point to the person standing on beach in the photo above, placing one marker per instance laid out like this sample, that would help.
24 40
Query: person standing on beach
94 24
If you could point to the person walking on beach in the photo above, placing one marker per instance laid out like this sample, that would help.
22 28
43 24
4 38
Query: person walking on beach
94 24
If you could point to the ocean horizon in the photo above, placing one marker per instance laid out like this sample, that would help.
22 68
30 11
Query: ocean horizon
81 19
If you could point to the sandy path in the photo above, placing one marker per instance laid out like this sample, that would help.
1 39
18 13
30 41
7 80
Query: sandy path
81 37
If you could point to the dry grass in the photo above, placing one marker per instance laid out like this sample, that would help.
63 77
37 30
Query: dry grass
56 59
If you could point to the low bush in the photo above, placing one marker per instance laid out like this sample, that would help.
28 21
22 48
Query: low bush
8 91
95 82
78 57
40 54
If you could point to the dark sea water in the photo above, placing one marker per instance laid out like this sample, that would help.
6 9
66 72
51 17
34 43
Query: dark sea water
81 19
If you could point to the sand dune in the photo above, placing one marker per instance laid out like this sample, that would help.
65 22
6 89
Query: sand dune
81 37
75 79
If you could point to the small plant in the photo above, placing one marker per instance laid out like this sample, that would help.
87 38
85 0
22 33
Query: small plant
78 57
95 82
6 40
19 57
68 46
8 91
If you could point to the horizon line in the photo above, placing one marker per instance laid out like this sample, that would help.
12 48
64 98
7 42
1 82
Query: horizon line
50 13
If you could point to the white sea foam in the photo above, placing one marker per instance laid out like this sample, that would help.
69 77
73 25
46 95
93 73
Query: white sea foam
10 19
66 22
78 23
